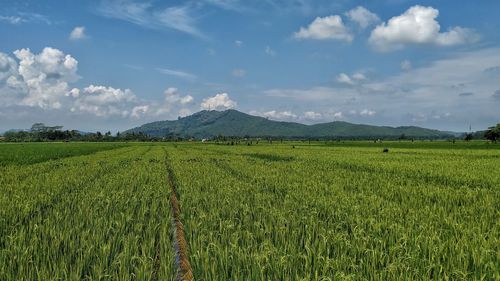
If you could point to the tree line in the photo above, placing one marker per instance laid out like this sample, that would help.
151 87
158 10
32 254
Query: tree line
39 132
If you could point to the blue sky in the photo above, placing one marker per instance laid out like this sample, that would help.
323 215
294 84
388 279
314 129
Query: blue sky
115 64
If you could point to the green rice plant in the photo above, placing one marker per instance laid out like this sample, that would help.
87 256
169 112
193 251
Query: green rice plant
30 153
101 216
319 211
336 213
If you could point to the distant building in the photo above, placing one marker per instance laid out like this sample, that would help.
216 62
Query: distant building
2 138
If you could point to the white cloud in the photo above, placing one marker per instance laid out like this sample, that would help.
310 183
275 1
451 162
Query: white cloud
362 16
417 26
279 115
429 90
178 18
406 65
226 4
78 33
143 14
174 105
177 73
12 19
276 115
238 72
238 43
345 79
37 83
311 115
350 80
43 78
139 111
359 76
270 51
338 115
367 112
21 18
330 27
8 66
172 96
105 101
218 102
75 93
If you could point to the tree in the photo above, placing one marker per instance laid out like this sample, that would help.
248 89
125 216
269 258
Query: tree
493 133
468 136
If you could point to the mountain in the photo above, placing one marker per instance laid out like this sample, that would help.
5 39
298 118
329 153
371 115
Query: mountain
206 124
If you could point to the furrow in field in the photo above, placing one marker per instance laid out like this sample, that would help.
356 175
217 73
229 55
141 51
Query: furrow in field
183 267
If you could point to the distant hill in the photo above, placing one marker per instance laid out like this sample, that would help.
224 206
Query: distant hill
207 124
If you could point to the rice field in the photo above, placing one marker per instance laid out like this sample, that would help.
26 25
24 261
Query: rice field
291 211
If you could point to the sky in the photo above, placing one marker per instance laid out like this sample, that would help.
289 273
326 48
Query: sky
116 64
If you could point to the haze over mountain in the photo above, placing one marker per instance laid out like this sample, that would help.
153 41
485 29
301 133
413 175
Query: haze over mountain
207 124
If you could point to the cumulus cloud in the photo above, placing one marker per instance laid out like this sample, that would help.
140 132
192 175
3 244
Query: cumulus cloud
8 66
238 43
367 112
359 76
78 33
172 96
326 28
218 102
338 115
42 79
139 111
279 115
417 26
105 101
362 16
313 116
175 104
350 80
344 78
307 117
32 82
416 95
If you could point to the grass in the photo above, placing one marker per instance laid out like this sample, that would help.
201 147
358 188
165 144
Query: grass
324 211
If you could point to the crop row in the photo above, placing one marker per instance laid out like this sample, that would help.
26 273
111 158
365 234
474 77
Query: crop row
100 216
327 213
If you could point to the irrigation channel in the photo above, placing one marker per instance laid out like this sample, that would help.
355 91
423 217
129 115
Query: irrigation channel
183 267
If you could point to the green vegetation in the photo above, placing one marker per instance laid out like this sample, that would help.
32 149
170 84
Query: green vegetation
30 153
493 133
291 211
99 216
209 124
39 132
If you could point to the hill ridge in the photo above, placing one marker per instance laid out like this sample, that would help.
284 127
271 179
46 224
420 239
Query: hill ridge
208 124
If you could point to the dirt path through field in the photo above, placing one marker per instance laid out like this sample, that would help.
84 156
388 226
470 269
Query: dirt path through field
183 267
